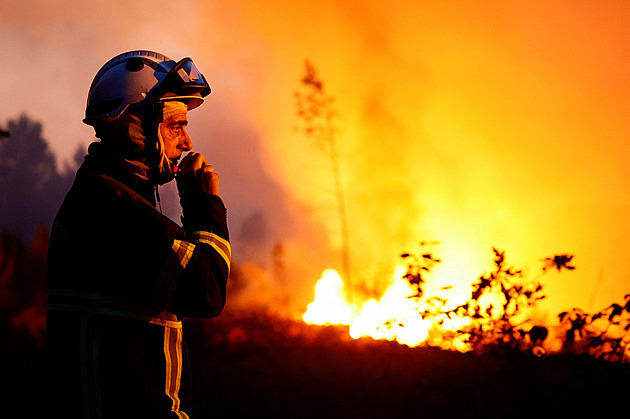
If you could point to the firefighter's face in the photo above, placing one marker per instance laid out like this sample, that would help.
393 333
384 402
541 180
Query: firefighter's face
173 132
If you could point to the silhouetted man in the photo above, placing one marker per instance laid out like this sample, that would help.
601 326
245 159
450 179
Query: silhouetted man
122 275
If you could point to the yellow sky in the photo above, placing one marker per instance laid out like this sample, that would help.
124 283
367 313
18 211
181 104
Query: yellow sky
503 125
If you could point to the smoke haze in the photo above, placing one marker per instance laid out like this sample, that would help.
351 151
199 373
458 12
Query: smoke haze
497 126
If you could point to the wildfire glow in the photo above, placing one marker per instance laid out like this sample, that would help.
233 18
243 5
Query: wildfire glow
496 126
330 305
394 317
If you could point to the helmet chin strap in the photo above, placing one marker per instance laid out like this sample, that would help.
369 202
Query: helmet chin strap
162 167
165 167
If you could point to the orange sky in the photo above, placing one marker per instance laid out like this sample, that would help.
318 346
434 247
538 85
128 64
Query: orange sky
497 126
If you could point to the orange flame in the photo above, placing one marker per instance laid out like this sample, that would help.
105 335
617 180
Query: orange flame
394 317
330 305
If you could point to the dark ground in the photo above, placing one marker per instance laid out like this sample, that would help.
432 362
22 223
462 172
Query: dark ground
257 366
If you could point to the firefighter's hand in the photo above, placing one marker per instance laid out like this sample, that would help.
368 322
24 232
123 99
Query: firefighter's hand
196 175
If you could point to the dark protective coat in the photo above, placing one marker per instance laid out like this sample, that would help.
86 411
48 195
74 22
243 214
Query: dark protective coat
121 277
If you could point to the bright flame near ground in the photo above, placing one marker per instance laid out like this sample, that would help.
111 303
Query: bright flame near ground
330 305
395 317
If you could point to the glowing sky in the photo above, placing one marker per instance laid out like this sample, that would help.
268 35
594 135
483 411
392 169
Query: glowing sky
503 125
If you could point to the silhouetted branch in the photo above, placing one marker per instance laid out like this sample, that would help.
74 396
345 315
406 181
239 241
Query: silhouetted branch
314 108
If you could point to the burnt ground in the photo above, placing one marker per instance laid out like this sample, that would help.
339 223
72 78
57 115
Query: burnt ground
252 365
258 366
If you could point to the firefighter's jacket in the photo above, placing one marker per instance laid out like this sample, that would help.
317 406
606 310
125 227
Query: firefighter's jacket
121 278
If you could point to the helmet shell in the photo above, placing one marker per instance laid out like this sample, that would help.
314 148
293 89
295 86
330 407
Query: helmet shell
126 80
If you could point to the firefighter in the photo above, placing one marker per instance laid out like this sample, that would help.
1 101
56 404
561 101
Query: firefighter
121 275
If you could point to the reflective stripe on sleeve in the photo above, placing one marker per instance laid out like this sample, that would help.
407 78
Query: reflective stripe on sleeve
176 262
219 244
184 251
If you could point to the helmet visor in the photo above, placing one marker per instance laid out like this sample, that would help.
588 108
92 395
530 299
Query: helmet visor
184 78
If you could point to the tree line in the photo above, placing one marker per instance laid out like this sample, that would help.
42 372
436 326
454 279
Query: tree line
32 186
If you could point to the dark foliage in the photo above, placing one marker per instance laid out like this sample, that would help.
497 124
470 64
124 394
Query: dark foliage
23 299
314 108
318 121
502 324
604 334
418 266
23 291
559 262
31 187
255 365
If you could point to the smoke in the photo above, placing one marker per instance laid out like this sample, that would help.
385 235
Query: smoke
497 126
55 49
475 127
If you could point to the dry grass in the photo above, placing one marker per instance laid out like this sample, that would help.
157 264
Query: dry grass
256 365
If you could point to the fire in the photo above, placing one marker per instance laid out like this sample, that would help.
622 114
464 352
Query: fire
394 317
330 305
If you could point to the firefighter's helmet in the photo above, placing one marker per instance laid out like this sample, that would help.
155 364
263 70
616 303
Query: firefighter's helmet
141 77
